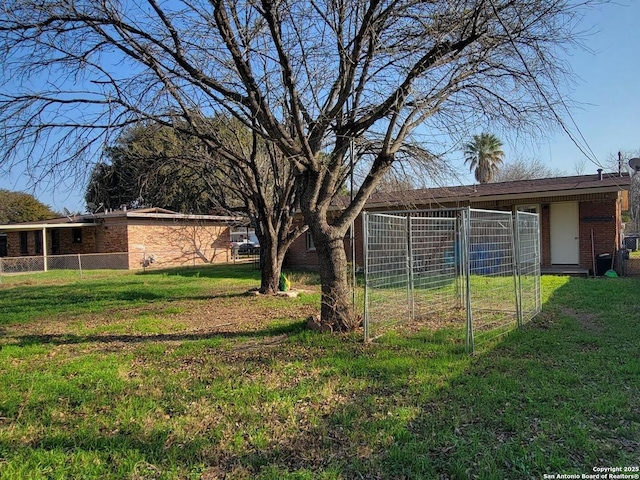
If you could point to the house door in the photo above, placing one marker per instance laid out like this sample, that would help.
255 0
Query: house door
565 228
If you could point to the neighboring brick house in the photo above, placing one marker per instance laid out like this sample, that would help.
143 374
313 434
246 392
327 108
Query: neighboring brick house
572 210
167 237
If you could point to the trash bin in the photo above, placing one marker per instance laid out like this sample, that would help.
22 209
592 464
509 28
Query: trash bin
631 242
603 263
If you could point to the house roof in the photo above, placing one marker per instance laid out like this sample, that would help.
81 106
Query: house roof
59 222
537 188
162 213
89 219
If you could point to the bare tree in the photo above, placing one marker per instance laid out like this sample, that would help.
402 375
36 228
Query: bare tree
521 169
164 166
265 181
579 166
309 77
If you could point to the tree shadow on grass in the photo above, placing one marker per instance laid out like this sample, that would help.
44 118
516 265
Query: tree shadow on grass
70 339
240 271
26 304
357 427
130 453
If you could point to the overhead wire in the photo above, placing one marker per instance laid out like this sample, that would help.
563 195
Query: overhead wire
586 150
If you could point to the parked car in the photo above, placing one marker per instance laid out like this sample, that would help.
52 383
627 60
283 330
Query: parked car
248 248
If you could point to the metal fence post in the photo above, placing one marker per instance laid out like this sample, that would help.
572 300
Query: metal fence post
410 290
517 280
459 257
365 249
470 344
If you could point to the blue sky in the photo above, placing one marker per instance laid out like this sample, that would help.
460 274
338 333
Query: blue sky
608 81
607 92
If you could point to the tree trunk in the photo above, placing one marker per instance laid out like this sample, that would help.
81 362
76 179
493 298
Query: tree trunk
336 310
271 259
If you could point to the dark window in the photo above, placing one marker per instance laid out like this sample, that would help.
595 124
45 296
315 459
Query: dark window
3 246
310 244
55 242
77 235
37 237
24 243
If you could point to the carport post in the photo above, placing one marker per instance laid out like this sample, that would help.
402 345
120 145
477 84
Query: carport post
44 247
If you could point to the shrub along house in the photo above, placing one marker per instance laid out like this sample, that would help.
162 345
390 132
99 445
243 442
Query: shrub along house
580 216
132 238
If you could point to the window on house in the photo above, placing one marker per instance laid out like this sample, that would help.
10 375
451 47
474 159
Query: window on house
37 237
528 208
55 242
24 243
4 250
77 235
310 244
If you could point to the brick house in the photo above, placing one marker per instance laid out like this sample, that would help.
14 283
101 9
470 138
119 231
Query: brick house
140 237
576 212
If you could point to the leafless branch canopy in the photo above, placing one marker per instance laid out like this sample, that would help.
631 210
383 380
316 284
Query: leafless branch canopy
307 76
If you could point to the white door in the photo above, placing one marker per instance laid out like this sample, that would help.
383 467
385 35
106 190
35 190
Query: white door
564 225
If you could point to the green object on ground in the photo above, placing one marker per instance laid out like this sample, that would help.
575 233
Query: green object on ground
284 284
611 274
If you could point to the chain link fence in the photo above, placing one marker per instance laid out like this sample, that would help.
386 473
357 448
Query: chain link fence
474 271
79 262
21 264
122 261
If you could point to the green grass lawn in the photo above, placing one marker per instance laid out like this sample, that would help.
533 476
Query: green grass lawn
179 374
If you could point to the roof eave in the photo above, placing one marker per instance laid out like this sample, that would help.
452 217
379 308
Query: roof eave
184 216
43 226
496 197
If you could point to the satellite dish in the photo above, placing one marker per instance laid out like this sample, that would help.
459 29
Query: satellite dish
634 163
93 208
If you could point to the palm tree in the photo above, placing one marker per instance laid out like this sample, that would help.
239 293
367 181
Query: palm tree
484 153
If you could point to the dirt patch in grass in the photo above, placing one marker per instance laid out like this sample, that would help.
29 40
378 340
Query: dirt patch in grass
589 321
261 344
174 321
391 317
